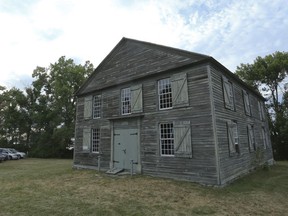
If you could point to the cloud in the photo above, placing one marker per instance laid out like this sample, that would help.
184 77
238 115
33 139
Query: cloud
38 32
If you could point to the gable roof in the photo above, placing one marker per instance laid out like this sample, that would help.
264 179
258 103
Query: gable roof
140 59
146 58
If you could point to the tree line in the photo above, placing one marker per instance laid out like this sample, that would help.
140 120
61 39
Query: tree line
40 119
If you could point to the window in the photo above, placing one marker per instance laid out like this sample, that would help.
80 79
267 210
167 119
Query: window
228 94
264 138
95 140
86 139
165 94
251 138
88 107
261 111
96 106
166 139
175 139
233 138
125 101
246 103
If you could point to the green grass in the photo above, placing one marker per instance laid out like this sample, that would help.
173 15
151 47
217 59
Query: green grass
52 187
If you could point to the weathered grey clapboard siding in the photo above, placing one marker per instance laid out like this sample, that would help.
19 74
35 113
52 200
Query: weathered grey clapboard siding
202 164
137 60
231 166
84 157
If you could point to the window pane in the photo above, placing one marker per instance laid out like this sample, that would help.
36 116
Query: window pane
126 101
97 106
167 139
165 93
95 140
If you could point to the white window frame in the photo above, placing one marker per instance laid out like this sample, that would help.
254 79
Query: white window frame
166 134
96 106
125 101
234 138
95 140
165 103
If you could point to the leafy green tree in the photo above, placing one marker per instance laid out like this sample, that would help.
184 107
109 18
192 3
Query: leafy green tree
42 117
267 76
13 115
54 105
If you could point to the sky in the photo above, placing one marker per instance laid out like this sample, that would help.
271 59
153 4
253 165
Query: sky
38 32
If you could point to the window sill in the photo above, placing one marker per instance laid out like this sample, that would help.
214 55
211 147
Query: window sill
126 116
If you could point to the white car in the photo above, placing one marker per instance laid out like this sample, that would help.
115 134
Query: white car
21 154
11 155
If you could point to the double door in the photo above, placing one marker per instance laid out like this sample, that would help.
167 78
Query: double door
125 148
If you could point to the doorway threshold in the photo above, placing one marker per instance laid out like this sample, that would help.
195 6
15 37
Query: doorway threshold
114 171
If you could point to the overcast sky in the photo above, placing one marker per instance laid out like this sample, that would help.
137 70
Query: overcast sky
38 32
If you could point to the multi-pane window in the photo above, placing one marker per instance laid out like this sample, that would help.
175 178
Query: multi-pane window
125 101
96 106
95 140
166 139
233 137
165 94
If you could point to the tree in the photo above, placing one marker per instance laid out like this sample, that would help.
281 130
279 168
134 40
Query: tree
13 115
42 117
54 105
267 75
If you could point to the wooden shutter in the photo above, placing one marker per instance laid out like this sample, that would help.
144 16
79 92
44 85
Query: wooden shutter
182 139
262 111
228 94
246 103
231 139
136 99
179 90
88 107
251 138
86 139
264 138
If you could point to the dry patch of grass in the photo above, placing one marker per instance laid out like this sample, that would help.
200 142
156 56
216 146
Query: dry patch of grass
52 187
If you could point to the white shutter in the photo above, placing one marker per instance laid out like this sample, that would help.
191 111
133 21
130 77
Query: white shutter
246 103
88 107
231 139
86 139
179 90
182 139
136 99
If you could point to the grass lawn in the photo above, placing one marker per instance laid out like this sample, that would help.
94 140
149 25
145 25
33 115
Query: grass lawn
52 187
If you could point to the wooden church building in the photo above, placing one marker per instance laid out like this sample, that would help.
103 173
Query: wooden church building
160 111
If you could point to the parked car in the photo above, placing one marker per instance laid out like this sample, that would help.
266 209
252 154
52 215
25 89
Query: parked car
11 155
21 154
2 156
